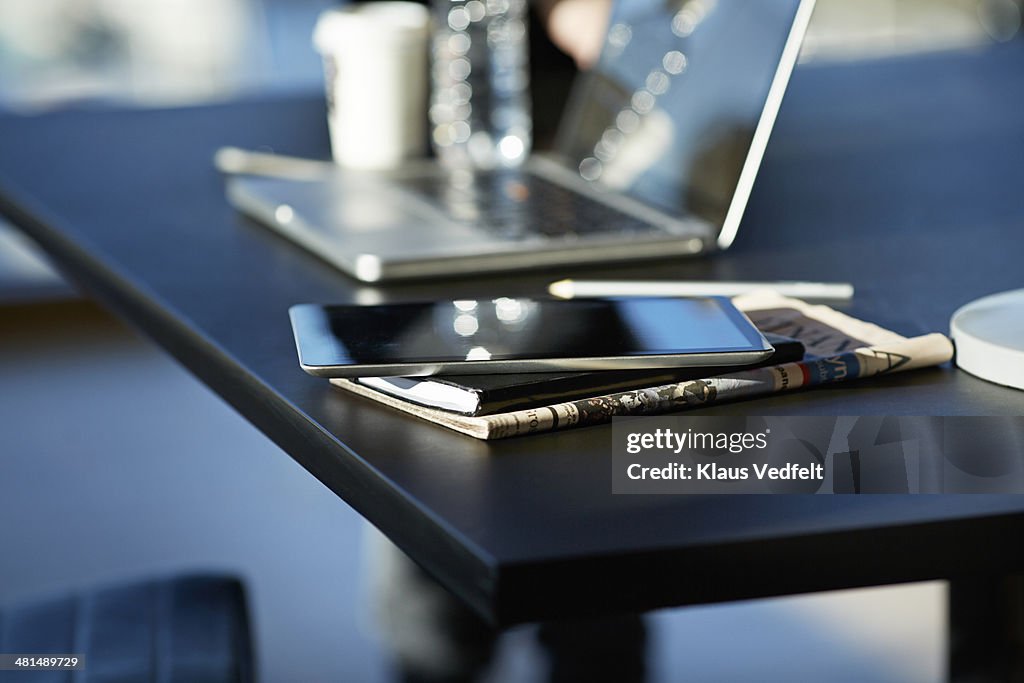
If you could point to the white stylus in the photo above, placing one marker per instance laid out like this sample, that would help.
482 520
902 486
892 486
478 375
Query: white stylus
567 289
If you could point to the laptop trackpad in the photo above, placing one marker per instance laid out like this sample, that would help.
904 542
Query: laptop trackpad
356 215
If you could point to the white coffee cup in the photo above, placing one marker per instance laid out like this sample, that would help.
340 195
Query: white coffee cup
375 64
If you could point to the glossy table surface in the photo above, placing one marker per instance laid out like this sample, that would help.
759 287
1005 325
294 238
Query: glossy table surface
900 176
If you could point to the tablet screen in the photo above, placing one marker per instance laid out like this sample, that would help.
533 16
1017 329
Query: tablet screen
508 329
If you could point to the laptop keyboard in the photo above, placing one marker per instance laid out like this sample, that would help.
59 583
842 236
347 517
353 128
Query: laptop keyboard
514 205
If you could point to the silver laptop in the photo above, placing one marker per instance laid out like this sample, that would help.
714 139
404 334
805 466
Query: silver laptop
655 157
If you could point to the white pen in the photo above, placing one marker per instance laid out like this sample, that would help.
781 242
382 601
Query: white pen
567 289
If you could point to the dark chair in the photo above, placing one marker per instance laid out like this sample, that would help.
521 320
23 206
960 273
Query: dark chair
188 628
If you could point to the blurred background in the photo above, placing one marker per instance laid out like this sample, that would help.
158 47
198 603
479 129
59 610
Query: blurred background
156 53
138 470
162 52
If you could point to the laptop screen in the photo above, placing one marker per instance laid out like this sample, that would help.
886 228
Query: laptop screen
669 113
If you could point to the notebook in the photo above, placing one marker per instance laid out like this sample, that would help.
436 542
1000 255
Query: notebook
486 394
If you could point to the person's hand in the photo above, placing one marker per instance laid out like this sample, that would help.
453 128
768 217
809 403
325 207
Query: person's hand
577 27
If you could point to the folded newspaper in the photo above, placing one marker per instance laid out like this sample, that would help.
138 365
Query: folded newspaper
838 349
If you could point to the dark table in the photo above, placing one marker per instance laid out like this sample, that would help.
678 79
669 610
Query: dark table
901 176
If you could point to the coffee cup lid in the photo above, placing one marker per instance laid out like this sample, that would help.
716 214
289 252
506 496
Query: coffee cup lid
390 20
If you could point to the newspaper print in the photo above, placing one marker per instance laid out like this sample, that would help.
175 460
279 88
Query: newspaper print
908 354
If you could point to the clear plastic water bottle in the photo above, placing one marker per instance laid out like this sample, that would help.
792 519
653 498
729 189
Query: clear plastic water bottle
480 102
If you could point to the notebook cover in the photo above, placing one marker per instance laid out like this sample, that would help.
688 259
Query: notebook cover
505 392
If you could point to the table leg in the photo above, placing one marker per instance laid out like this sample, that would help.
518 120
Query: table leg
435 638
986 629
